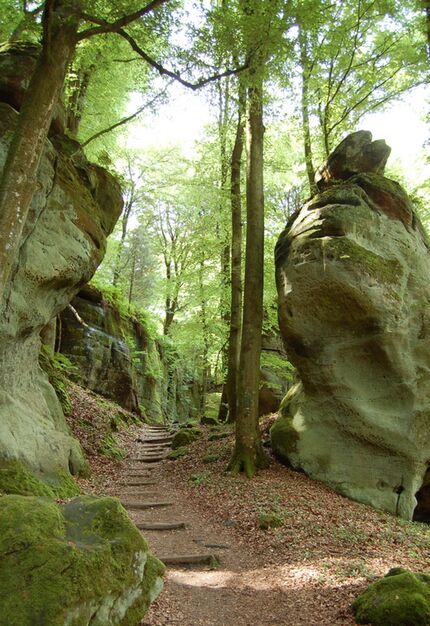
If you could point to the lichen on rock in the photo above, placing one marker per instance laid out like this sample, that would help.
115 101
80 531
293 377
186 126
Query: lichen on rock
352 272
75 564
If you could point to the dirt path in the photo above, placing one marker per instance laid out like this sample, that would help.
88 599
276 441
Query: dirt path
243 589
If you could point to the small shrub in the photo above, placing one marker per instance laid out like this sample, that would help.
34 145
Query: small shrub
200 478
270 520
211 458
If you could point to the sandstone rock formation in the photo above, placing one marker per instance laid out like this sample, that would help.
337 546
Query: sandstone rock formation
114 354
73 211
275 373
83 562
352 275
119 357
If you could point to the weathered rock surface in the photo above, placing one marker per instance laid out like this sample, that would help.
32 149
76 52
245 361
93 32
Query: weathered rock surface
118 357
75 564
352 275
73 211
275 373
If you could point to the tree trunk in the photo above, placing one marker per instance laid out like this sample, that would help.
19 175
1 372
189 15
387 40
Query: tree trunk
248 454
132 276
124 226
205 329
310 170
77 98
19 176
236 264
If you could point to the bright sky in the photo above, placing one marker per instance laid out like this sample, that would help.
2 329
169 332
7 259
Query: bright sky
183 119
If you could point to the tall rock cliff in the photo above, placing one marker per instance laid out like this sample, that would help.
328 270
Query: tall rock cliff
75 208
353 269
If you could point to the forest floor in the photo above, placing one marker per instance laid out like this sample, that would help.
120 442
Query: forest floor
304 573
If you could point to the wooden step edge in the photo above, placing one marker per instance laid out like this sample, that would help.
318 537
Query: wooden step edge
137 484
144 505
148 459
161 525
189 559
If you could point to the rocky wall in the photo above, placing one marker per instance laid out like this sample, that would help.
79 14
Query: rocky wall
352 274
74 209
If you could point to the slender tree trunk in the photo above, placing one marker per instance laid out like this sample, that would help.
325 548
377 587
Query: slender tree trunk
124 225
223 108
248 454
236 264
310 170
132 276
77 98
19 178
205 329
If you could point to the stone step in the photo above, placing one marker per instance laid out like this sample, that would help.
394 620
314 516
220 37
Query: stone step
137 483
148 459
161 525
189 559
157 440
138 504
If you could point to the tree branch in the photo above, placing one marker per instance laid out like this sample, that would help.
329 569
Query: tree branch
127 119
175 75
106 27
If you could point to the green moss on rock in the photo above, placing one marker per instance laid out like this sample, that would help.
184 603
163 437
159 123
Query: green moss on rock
400 599
16 478
184 437
73 565
284 438
178 453
63 485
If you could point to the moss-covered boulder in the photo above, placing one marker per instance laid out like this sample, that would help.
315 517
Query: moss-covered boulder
185 436
178 453
352 271
75 564
400 599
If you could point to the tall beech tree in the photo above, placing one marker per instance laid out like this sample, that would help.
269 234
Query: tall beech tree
65 23
236 261
259 19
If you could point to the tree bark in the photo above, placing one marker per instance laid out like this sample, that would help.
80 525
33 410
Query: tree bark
19 178
236 264
310 170
248 454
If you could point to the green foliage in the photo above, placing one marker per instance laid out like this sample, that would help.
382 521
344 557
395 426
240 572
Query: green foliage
200 478
270 520
115 298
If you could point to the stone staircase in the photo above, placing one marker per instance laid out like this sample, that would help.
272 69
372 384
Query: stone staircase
146 497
